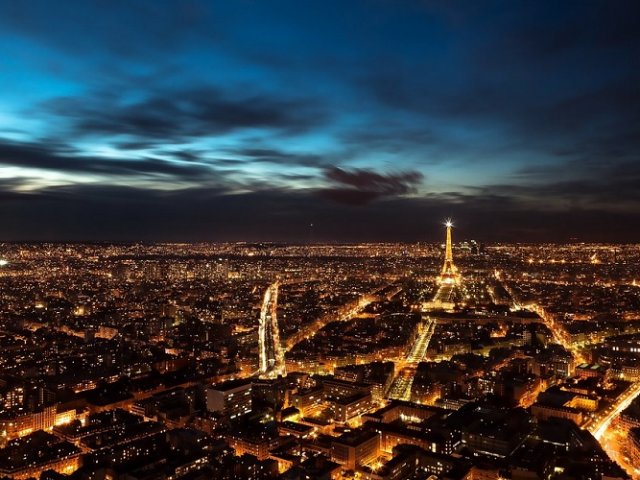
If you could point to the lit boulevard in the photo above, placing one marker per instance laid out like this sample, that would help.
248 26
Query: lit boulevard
271 354
613 441
598 427
419 349
345 313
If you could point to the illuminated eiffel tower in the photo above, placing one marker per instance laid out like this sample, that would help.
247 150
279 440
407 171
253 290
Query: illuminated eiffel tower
449 274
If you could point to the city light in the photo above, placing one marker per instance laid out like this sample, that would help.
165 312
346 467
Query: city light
327 340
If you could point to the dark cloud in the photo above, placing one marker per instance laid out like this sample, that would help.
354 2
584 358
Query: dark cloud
393 137
62 158
581 134
359 186
276 156
133 214
361 179
174 116
537 34
579 184
118 27
531 77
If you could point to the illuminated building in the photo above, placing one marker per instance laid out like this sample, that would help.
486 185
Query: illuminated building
295 429
232 398
393 435
545 412
358 447
404 411
334 387
259 446
28 457
308 401
345 408
449 278
20 423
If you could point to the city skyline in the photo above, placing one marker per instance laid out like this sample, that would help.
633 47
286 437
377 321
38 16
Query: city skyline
279 362
328 122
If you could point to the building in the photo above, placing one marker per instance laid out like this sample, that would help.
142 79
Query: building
31 455
630 417
346 408
358 447
633 445
232 398
18 423
545 411
496 433
392 435
309 400
587 370
257 445
401 410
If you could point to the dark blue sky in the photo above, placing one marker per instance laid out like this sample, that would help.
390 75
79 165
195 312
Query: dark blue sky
373 120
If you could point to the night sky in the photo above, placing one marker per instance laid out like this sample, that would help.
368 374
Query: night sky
372 120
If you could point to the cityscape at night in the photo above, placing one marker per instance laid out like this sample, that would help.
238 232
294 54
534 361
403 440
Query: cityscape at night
320 240
372 361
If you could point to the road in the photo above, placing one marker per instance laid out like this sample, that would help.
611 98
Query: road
444 293
419 349
346 313
612 440
615 444
271 355
401 386
599 425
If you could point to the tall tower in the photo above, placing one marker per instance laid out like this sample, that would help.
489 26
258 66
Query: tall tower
449 271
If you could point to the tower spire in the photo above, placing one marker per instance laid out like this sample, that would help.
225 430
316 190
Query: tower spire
448 255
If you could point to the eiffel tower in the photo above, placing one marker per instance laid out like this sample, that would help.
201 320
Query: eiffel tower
449 274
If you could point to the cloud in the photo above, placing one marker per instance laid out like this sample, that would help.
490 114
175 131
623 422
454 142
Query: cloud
113 28
62 158
598 186
392 137
359 186
249 154
535 79
175 116
134 214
